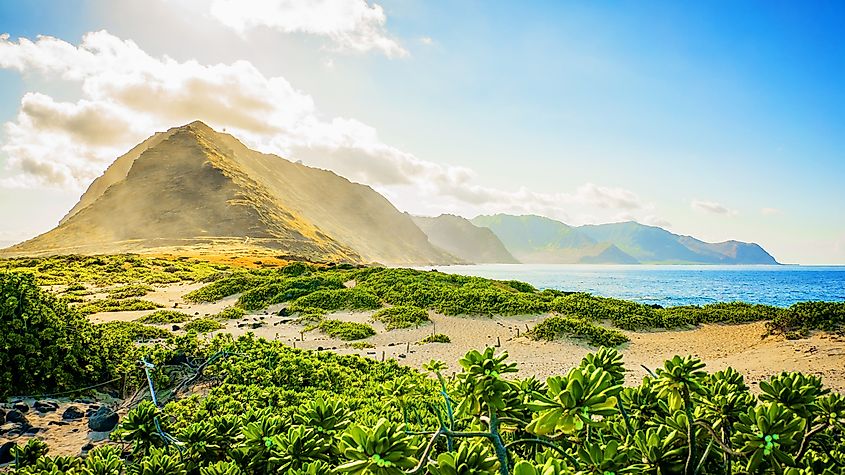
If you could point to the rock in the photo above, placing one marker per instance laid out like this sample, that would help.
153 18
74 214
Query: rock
16 416
8 428
98 436
72 413
32 430
57 423
103 420
45 406
2 417
175 328
20 406
86 448
6 452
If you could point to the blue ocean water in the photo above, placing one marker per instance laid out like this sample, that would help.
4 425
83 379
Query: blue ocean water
677 285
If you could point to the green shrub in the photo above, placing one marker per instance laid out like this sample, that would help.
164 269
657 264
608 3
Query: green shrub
401 316
361 345
803 317
46 346
203 325
127 291
339 299
111 305
558 326
284 289
162 317
346 331
435 338
229 313
222 288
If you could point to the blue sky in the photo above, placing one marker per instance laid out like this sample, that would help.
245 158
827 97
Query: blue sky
723 120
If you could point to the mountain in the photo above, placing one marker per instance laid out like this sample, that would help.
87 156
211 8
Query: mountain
654 245
461 238
536 239
193 186
539 240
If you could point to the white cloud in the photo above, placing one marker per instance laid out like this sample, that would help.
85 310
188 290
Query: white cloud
712 207
769 211
351 25
427 40
127 95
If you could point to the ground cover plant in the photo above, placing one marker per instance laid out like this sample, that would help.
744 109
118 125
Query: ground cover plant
127 291
435 338
203 325
346 331
276 409
112 270
162 317
112 305
401 316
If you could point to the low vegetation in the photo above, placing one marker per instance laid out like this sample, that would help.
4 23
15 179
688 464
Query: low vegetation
435 338
401 316
275 409
346 331
203 325
128 291
163 317
559 326
111 270
229 313
111 305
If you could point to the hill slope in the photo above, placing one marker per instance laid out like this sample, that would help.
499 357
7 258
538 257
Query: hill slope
465 240
192 185
536 239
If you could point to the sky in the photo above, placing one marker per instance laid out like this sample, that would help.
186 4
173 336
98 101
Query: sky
719 119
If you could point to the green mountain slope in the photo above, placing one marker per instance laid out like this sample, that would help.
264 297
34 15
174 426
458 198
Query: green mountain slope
459 237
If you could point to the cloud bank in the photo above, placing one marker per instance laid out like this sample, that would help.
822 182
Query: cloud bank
351 25
125 95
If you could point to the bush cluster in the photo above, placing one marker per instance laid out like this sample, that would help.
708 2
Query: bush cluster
203 325
346 331
162 317
435 338
276 409
339 299
126 291
401 316
111 305
558 326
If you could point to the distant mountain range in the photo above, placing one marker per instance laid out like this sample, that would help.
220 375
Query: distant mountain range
194 188
536 239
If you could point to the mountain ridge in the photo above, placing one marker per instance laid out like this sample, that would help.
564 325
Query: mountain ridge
537 239
192 185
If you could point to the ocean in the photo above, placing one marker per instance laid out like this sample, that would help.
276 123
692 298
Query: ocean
670 285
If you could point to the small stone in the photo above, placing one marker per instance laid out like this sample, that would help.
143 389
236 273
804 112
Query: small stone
57 423
86 448
98 436
2 417
402 355
20 406
32 430
103 420
175 328
72 413
45 406
16 416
